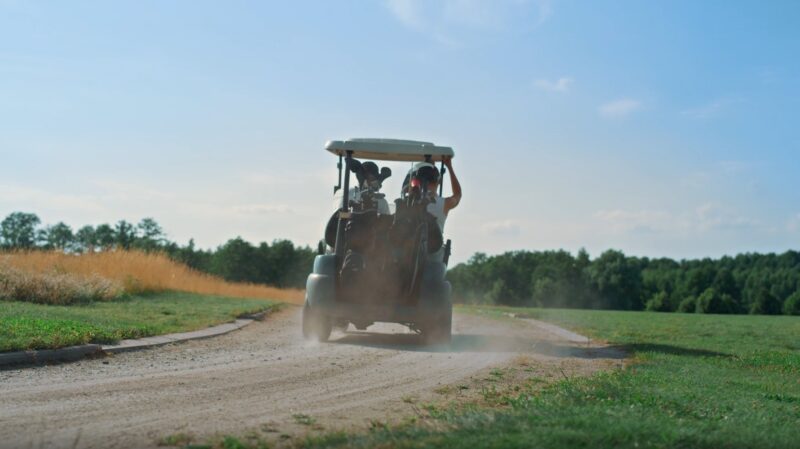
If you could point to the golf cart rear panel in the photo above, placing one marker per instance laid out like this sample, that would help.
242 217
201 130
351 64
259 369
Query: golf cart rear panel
433 301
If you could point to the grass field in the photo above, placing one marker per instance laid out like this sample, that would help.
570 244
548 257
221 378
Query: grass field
25 325
695 381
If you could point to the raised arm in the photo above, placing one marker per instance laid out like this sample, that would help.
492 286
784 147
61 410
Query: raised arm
452 201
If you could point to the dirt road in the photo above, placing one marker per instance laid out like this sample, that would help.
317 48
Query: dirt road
263 377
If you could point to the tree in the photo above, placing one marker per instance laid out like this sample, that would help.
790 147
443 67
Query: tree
711 301
233 261
617 279
499 292
18 230
279 261
59 236
150 234
659 302
545 291
753 283
191 256
124 234
700 277
792 304
688 305
765 304
724 283
105 236
283 264
740 284
86 238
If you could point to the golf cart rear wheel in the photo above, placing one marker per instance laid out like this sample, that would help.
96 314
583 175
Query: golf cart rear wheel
438 332
316 326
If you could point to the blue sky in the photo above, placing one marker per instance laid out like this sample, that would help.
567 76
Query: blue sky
659 128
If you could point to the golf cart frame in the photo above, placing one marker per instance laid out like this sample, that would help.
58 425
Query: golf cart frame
399 277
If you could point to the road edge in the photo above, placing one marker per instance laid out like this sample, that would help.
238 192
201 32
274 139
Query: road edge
23 359
566 334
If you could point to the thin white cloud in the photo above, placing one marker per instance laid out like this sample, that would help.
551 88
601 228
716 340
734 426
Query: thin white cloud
712 109
284 180
620 220
474 13
711 216
719 172
545 12
619 108
502 228
703 218
263 209
733 168
406 12
122 191
494 14
793 225
19 197
560 85
444 21
696 179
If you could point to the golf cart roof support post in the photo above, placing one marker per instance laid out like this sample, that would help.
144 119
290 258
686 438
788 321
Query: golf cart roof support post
339 250
346 193
339 166
442 171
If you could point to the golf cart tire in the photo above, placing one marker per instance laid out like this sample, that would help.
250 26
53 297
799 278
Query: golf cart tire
439 332
316 326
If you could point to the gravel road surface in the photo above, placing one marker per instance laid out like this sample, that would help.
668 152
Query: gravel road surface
262 377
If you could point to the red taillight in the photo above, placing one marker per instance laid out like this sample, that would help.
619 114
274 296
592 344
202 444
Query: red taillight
415 183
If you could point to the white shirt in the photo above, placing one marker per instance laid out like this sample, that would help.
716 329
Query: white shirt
436 208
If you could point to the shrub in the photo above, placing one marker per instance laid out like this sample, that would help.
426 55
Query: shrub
710 301
542 291
792 304
688 305
499 293
659 302
729 304
765 304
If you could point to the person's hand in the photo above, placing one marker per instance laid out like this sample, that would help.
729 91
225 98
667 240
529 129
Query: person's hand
448 161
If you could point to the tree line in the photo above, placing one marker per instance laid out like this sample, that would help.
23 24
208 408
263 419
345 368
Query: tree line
746 283
280 263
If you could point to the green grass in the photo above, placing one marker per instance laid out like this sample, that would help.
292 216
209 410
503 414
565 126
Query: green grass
696 381
25 325
302 418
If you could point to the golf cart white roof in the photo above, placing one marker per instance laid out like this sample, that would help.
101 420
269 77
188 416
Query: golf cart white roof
388 149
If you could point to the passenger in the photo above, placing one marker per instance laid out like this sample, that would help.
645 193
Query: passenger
439 207
372 182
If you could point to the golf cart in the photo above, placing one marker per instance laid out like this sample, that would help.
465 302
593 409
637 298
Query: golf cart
377 264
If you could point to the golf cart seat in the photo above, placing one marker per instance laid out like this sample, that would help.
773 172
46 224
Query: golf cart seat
408 220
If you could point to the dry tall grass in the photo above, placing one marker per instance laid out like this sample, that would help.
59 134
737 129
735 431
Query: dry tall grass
54 288
137 272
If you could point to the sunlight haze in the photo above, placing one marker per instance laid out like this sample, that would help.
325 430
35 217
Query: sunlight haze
659 129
